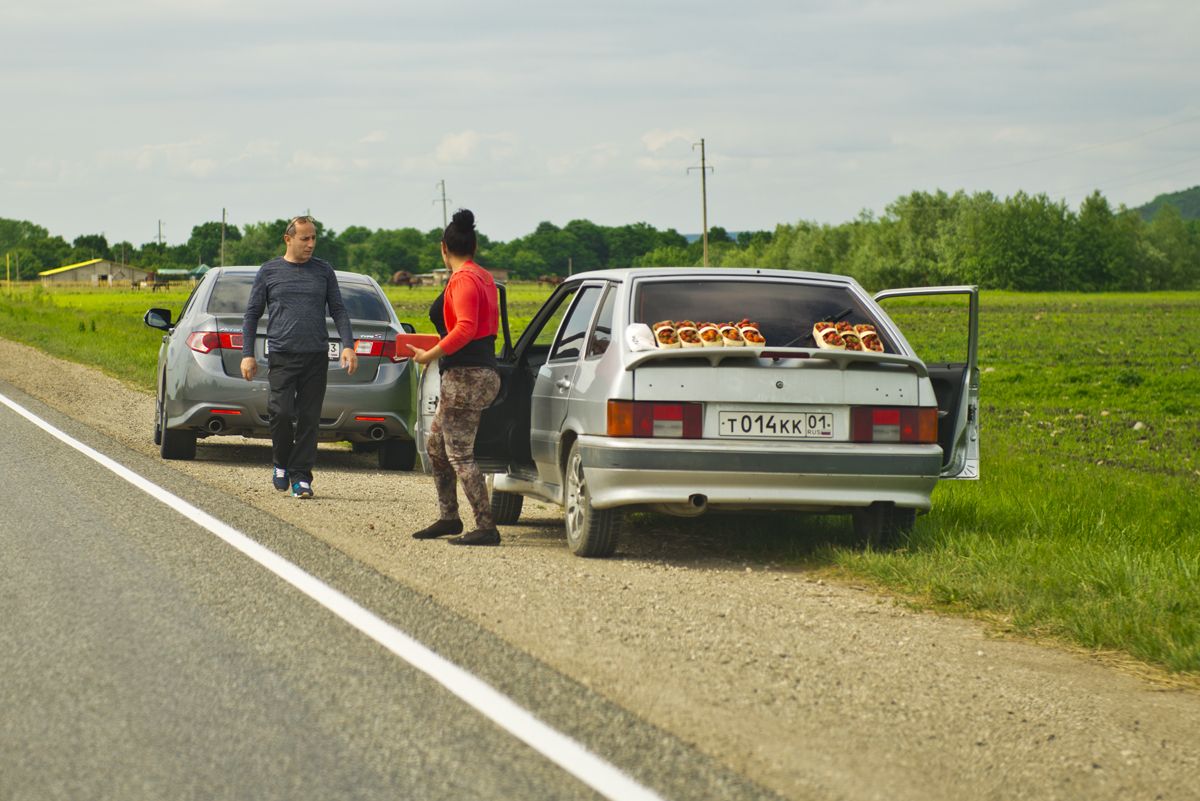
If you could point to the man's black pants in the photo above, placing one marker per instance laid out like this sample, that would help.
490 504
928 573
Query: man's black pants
294 406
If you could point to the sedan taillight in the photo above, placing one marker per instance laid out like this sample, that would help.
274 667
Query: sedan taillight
892 424
655 419
379 348
208 341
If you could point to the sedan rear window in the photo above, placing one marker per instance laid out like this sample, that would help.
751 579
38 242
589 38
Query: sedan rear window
784 310
232 293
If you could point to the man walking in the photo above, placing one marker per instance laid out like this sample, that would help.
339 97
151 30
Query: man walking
295 290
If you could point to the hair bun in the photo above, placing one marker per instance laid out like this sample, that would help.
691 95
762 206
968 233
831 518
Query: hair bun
464 219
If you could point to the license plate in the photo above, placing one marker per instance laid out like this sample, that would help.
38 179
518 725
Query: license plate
777 425
335 349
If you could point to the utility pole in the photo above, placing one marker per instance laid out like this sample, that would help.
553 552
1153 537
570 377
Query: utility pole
160 235
442 184
8 273
703 194
222 264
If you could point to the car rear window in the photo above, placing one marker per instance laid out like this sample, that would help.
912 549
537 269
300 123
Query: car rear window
784 310
232 293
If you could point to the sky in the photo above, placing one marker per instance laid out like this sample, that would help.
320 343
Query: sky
119 116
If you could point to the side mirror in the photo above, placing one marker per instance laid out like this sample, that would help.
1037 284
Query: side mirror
408 328
158 318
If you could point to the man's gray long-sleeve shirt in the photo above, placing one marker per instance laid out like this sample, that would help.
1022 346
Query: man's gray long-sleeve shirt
295 297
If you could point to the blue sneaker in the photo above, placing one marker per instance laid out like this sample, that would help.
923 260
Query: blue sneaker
279 478
301 489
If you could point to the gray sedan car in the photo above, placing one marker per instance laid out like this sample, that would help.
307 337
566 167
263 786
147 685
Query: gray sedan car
802 396
201 391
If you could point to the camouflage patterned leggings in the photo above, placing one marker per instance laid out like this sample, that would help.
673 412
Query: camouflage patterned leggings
466 392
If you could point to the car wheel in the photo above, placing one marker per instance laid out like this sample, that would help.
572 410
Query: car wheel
506 507
174 444
397 454
590 532
882 526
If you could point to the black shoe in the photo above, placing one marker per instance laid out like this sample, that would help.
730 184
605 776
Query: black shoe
439 529
480 536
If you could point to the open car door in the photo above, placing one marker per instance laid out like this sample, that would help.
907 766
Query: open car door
496 444
953 369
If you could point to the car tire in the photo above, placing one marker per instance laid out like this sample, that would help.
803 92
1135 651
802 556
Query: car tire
506 507
883 526
397 454
174 444
158 419
590 532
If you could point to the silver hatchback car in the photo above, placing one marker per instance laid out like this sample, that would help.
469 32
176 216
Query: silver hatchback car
600 413
201 391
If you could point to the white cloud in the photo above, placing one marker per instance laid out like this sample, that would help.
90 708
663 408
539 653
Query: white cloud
808 109
201 167
468 147
601 156
258 149
307 161
460 147
656 140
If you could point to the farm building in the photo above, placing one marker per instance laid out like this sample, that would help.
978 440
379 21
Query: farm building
97 272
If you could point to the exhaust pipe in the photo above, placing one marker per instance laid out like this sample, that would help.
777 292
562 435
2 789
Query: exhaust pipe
376 432
694 506
215 425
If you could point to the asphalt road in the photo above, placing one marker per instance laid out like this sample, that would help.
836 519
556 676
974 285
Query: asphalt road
143 657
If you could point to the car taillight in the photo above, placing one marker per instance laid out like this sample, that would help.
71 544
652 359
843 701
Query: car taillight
891 424
379 348
655 419
208 341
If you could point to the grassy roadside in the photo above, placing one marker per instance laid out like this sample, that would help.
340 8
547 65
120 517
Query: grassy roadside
1083 526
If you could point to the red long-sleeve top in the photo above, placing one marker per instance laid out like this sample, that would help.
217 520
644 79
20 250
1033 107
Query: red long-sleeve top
471 309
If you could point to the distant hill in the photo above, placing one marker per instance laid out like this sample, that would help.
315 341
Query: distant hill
1187 201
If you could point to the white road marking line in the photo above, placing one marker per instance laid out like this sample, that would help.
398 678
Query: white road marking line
557 747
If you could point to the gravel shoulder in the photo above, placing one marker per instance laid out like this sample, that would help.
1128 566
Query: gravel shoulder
813 688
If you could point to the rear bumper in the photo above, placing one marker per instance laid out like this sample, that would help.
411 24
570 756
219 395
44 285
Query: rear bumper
205 397
812 477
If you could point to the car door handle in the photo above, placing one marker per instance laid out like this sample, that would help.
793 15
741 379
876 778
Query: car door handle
563 383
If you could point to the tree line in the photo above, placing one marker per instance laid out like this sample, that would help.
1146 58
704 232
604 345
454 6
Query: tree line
1023 242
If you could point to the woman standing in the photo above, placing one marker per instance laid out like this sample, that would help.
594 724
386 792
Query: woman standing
466 315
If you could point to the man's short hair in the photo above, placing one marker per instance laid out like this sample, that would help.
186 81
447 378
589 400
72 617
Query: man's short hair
291 226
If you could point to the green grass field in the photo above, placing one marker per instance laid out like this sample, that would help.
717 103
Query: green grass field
1083 527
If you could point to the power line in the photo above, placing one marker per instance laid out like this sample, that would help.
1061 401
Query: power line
1086 148
1134 178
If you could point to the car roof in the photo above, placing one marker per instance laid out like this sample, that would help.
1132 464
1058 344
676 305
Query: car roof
245 269
630 273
